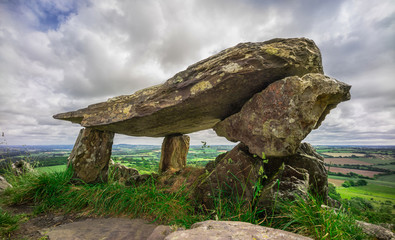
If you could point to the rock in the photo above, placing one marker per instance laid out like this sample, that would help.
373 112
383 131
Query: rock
100 228
174 153
184 179
239 174
91 155
4 184
21 167
378 232
122 173
210 230
307 158
203 94
277 119
288 183
233 176
160 232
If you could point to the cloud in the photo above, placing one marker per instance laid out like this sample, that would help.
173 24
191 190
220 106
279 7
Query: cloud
58 56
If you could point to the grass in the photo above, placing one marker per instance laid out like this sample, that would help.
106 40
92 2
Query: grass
8 222
307 217
52 191
57 168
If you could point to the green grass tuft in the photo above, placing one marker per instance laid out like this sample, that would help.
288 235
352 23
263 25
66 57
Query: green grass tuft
8 222
308 217
52 191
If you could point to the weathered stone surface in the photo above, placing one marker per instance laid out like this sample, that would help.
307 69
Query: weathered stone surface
4 184
376 231
21 167
101 228
214 230
203 94
237 173
174 153
277 119
234 175
286 184
122 173
160 232
307 158
91 155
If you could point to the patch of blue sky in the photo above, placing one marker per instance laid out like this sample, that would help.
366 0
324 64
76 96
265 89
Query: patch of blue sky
49 14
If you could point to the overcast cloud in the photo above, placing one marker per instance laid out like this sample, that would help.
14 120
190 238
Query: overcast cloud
58 56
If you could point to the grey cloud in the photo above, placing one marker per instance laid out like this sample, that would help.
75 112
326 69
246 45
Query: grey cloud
101 49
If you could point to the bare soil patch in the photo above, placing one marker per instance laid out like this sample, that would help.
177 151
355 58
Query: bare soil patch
357 171
344 154
343 161
336 182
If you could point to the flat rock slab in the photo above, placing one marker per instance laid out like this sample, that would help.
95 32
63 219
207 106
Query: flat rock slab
203 94
221 230
103 229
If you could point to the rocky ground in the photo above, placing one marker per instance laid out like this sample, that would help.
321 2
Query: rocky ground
74 226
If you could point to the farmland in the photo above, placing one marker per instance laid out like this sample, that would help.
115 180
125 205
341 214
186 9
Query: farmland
366 173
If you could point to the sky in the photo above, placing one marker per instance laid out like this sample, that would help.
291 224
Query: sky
58 56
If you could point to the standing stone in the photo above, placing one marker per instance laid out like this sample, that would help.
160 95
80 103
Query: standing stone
276 120
91 154
174 153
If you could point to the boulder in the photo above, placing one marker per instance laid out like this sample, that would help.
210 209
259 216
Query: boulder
4 184
234 176
21 167
376 231
240 175
286 184
91 154
174 153
307 158
277 119
212 230
122 173
203 94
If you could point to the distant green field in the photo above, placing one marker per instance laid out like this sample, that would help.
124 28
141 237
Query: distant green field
58 168
387 181
387 178
370 192
389 167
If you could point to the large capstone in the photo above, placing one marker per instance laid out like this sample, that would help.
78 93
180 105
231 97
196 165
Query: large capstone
205 93
174 153
276 120
91 154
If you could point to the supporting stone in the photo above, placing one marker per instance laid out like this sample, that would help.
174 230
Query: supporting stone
91 155
174 153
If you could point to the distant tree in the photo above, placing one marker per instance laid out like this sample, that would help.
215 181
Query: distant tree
362 182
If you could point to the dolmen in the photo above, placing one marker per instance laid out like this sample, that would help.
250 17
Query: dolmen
268 96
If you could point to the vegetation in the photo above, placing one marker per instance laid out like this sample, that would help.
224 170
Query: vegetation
52 191
8 222
308 217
